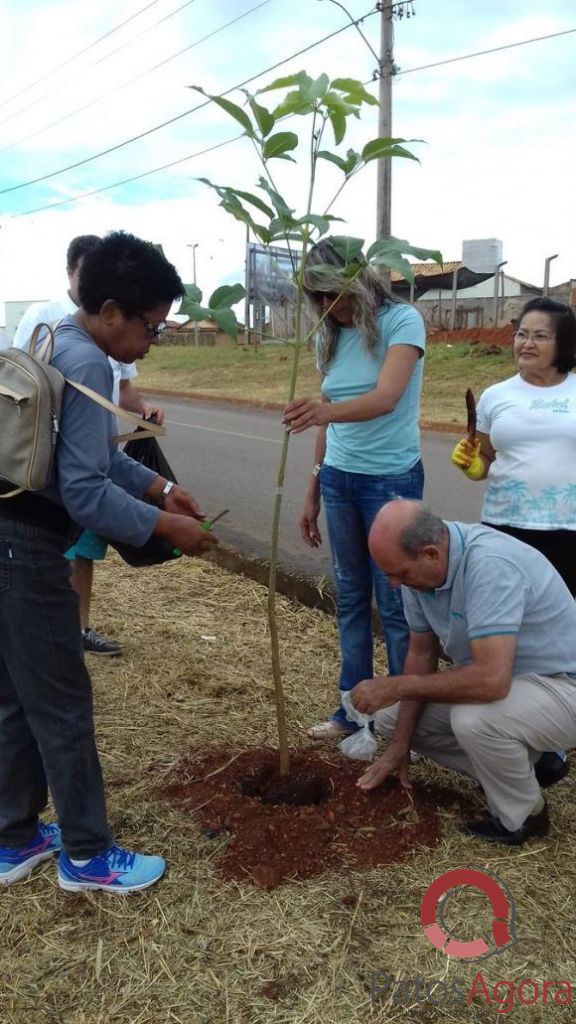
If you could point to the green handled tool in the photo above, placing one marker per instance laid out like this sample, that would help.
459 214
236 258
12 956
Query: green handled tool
207 524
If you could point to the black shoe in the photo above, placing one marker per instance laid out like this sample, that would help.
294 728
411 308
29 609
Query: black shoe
94 643
491 829
550 768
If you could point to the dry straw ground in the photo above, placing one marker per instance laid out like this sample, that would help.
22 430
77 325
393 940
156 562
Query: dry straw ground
196 950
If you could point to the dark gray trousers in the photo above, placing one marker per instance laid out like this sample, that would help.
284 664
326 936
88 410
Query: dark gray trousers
46 722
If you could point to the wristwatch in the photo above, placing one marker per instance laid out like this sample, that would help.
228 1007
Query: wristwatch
317 469
168 486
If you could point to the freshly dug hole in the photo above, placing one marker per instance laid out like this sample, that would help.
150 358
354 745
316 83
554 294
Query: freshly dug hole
276 829
303 787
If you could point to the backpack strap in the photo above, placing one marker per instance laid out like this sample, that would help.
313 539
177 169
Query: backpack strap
146 428
44 352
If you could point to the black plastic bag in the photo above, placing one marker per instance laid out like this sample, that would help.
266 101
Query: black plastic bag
156 550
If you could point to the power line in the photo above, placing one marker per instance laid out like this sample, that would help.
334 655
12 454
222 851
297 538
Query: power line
137 177
481 53
178 117
136 78
69 60
100 60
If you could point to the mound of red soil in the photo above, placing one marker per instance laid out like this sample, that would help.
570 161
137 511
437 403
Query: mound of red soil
482 335
278 829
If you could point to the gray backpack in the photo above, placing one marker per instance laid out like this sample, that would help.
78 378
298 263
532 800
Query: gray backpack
31 393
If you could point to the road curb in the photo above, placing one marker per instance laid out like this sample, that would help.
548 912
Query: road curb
314 592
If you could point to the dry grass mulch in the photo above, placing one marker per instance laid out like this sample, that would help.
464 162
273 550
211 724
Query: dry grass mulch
197 949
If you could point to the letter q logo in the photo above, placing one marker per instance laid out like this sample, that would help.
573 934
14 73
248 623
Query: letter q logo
503 914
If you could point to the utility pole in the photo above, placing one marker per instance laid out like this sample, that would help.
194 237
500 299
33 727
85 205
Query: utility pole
547 263
497 274
194 246
385 72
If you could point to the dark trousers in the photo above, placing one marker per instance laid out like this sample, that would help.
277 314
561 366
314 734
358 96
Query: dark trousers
46 722
559 547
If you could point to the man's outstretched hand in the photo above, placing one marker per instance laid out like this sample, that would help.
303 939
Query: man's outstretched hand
392 762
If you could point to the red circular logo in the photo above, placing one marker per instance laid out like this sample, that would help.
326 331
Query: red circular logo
503 914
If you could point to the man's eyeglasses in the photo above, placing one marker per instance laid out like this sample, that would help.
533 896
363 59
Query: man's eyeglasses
152 330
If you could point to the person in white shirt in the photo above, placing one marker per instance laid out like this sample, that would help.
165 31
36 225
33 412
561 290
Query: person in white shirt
89 547
526 445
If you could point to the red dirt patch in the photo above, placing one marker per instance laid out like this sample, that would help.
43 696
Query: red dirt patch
232 795
481 335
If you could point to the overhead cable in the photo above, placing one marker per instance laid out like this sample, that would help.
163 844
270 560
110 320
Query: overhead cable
130 81
178 117
80 53
100 60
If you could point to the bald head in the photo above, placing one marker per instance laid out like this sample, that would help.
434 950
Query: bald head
410 543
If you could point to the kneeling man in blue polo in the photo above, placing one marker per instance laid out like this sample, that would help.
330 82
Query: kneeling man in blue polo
506 620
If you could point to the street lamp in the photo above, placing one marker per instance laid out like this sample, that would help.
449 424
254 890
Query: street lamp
497 289
194 246
547 263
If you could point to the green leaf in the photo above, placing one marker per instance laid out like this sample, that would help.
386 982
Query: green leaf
354 90
225 296
321 223
231 108
255 200
279 145
193 292
193 311
226 321
293 103
378 148
352 161
338 122
333 101
279 204
264 119
286 82
385 246
346 248
315 88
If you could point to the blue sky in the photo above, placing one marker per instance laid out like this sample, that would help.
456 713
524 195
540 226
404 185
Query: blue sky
498 159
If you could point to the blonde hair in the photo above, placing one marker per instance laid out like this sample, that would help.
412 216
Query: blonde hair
366 291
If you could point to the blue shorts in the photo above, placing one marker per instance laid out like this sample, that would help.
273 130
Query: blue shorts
89 545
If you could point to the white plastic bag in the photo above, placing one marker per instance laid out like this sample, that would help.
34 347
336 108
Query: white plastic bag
360 744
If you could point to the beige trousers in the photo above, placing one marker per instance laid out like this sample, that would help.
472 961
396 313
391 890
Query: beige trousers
497 743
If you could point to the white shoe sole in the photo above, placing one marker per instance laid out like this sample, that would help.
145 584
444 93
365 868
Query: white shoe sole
67 886
23 870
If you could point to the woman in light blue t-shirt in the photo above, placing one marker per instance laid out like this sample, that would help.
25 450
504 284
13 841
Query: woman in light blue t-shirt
367 451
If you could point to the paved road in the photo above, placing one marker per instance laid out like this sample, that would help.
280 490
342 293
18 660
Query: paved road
227 456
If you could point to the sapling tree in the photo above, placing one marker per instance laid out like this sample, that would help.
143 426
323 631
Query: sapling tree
326 106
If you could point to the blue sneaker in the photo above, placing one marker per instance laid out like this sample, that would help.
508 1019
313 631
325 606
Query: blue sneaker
18 861
117 870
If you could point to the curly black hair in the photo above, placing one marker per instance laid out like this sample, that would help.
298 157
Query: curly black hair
132 272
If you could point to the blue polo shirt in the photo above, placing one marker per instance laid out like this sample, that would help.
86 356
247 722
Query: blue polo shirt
497 585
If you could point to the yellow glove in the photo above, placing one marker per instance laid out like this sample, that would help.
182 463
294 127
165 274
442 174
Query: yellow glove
467 457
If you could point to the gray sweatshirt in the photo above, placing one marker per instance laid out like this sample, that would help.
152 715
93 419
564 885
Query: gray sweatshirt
98 485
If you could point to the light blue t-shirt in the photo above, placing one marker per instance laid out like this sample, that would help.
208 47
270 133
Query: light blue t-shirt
497 585
388 445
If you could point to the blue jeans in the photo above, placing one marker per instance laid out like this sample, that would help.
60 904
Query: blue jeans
351 503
